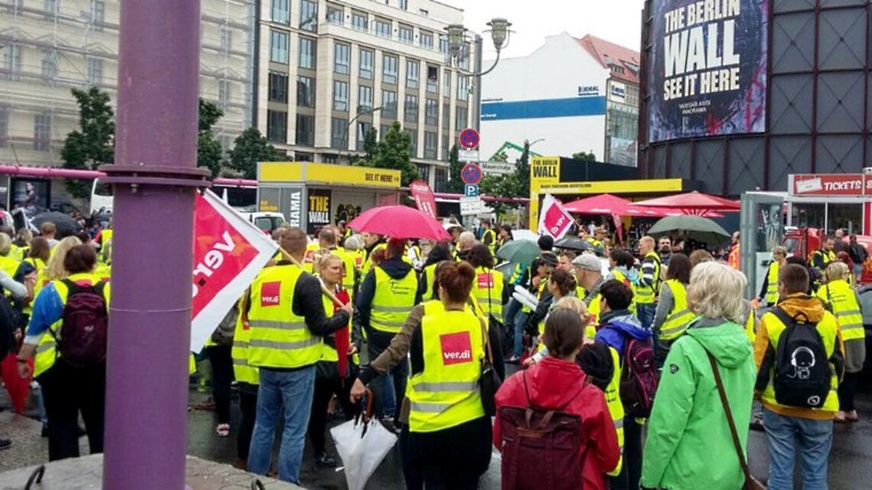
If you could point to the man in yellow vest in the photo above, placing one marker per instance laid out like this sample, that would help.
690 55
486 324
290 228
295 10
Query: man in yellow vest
792 415
387 295
822 257
589 275
371 243
488 236
343 232
649 282
287 321
769 289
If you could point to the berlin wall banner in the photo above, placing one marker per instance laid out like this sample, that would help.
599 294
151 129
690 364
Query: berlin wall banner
707 68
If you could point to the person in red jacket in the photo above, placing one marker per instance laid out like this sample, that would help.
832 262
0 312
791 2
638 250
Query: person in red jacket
557 383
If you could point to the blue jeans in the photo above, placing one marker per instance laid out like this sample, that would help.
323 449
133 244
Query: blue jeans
815 438
292 391
858 274
509 312
645 312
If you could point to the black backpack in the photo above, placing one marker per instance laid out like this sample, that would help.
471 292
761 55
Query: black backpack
802 373
84 326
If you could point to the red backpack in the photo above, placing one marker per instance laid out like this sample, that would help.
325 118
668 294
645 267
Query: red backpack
540 448
84 325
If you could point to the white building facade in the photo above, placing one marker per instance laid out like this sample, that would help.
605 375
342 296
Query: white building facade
569 96
328 72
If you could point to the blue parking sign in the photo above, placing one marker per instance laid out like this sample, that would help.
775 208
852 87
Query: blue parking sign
470 190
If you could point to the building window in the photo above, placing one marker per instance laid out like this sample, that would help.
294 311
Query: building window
50 64
433 79
446 117
309 15
98 14
431 112
384 130
446 82
430 142
278 87
226 40
404 4
340 96
424 170
462 119
305 92
383 28
412 73
339 133
42 132
307 53
411 114
95 71
446 150
462 87
281 11
413 137
51 8
223 94
407 34
305 130
440 175
279 47
342 61
12 61
4 127
426 39
277 126
335 14
425 13
359 21
390 68
443 44
367 63
364 98
466 52
363 128
389 105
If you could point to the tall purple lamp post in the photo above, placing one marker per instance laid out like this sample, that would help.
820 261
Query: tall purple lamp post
154 179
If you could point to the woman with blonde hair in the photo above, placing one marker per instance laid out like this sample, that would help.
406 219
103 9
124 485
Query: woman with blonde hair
690 442
847 308
54 269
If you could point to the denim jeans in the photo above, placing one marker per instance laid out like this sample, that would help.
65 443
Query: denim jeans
293 392
520 321
392 387
858 274
645 312
509 313
815 438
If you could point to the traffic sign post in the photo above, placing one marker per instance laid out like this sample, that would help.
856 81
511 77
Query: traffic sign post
471 174
469 139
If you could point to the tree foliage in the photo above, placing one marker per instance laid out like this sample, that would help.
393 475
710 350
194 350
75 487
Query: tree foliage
209 153
455 167
516 184
249 148
93 144
584 156
394 151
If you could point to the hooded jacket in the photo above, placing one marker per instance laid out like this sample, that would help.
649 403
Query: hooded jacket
555 384
619 325
689 443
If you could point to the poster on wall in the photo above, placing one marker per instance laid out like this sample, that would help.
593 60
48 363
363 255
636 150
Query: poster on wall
318 210
707 71
33 195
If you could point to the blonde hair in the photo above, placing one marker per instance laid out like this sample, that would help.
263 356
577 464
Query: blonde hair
700 256
779 250
649 241
25 235
320 257
717 290
575 304
54 269
835 271
5 244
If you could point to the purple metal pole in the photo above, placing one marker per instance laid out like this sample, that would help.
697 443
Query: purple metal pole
154 180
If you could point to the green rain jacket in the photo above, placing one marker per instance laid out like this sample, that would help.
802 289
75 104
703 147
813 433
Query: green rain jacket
689 445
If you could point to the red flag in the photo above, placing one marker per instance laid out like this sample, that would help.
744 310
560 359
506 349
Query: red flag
554 220
228 254
425 200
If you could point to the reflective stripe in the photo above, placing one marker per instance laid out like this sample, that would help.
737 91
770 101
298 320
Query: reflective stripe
388 324
849 312
445 386
678 328
240 344
279 325
851 327
285 345
240 362
619 424
391 309
44 346
429 407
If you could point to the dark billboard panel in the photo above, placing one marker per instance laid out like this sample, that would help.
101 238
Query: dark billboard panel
707 68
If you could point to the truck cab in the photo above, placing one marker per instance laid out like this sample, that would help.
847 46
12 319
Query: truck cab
804 241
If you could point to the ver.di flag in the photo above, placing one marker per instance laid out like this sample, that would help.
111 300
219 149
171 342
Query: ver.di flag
229 252
554 220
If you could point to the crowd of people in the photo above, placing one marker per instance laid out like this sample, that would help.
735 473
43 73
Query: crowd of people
591 356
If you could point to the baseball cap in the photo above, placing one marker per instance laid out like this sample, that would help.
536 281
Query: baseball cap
588 262
548 258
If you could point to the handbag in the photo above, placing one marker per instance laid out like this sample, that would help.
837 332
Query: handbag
490 381
751 483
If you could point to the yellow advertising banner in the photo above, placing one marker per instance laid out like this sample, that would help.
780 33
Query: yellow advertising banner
544 171
276 172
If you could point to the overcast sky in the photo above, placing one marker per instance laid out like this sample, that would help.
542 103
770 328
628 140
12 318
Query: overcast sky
618 21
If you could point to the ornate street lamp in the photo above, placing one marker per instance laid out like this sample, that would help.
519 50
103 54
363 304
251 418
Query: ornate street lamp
500 33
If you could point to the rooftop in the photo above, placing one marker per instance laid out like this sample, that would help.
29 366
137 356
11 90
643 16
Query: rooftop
622 62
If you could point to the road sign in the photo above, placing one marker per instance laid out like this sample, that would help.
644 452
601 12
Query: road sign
471 174
470 190
468 155
470 206
469 139
497 168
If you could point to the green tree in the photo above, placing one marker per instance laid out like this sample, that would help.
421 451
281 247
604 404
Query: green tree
93 144
522 173
584 156
209 153
394 151
500 157
249 148
455 167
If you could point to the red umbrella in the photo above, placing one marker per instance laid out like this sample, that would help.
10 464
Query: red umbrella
15 385
691 202
399 222
602 204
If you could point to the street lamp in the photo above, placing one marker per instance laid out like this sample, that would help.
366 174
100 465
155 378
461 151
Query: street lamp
361 111
500 33
530 145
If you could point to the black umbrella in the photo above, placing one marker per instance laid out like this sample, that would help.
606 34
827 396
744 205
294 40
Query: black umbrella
65 224
577 244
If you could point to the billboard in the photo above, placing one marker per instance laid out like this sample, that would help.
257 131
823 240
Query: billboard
707 68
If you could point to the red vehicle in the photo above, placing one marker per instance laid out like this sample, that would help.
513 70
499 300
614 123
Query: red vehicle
804 242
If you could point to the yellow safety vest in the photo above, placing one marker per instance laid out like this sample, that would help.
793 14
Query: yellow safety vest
680 316
845 308
542 283
278 337
772 283
493 242
429 276
367 264
17 253
46 350
751 326
242 370
348 270
624 279
647 295
328 352
106 236
488 291
827 257
393 300
828 330
446 394
593 309
9 264
616 407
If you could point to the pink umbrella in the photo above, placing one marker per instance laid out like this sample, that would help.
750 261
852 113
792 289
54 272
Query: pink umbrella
399 222
693 203
601 204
